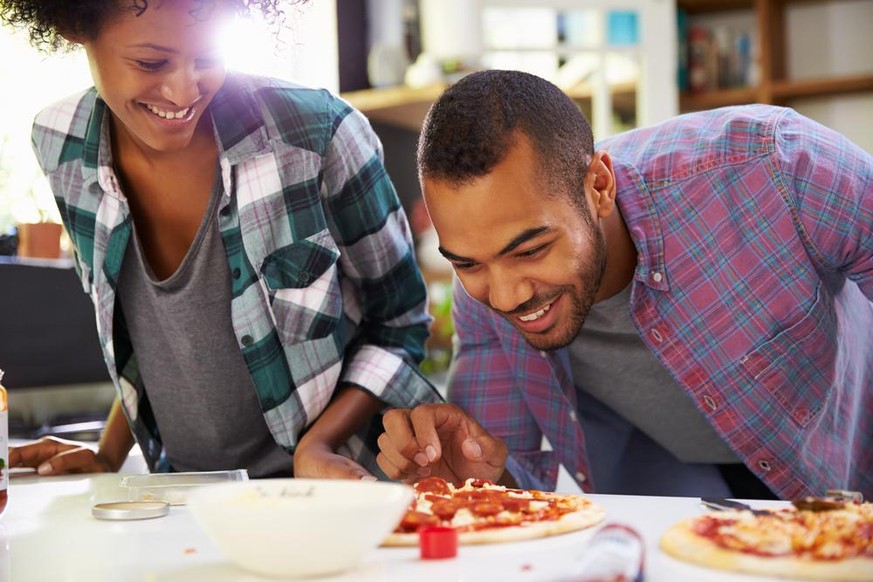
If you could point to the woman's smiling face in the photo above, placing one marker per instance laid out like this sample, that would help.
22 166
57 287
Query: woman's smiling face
159 70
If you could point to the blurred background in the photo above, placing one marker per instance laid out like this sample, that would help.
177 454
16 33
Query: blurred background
626 63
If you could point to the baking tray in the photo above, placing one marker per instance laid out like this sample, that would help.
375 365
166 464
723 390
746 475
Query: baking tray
174 487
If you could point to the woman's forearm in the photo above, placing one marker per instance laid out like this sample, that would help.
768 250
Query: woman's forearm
116 440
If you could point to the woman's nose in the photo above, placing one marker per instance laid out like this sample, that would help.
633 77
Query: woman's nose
181 87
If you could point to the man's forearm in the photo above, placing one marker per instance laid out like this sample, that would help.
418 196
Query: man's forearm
116 440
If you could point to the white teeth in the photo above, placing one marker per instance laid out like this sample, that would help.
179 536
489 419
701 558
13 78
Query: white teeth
168 114
535 316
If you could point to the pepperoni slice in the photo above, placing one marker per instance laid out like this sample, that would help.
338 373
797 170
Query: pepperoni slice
486 508
415 519
436 485
516 505
445 509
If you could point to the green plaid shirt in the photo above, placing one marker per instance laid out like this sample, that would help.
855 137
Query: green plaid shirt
325 286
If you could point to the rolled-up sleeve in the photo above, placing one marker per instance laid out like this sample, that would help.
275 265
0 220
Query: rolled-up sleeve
383 290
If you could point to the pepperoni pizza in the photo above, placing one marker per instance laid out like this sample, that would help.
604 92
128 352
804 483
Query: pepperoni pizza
815 539
484 513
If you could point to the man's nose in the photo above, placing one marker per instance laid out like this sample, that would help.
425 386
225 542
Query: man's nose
182 86
507 290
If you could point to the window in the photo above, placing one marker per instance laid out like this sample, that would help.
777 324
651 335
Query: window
616 58
31 80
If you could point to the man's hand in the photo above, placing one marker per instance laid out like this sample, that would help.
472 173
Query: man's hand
54 456
438 440
316 460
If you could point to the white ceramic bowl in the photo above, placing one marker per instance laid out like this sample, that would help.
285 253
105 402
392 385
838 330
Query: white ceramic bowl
299 527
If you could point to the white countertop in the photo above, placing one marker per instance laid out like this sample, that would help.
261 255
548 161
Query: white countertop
47 534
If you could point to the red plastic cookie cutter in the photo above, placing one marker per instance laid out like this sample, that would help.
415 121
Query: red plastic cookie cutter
438 542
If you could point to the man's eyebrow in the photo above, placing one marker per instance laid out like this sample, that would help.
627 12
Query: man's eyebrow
522 238
454 257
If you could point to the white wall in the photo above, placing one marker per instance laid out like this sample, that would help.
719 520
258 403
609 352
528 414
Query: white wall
834 39
29 81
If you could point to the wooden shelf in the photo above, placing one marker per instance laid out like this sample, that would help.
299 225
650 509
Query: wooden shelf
714 99
407 107
709 6
774 87
778 92
819 87
401 106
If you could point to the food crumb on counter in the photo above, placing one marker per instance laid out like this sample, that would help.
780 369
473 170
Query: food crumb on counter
189 551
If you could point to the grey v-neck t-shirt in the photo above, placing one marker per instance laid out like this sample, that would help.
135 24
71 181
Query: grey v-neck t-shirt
196 379
639 422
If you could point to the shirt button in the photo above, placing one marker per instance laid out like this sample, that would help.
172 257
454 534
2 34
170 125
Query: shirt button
710 402
580 477
236 273
572 415
656 335
656 277
765 465
247 340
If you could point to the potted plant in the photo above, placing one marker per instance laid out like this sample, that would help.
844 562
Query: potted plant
29 206
40 239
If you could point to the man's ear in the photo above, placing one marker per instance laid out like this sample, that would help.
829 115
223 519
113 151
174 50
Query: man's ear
600 183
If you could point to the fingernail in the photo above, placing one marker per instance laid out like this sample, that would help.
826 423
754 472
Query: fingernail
44 469
423 471
431 453
420 459
475 449
369 478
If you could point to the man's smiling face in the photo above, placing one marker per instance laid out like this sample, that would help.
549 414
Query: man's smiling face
535 259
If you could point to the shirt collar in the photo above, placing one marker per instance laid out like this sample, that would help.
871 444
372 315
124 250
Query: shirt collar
239 131
638 210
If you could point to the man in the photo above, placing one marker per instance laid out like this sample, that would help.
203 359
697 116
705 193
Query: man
684 310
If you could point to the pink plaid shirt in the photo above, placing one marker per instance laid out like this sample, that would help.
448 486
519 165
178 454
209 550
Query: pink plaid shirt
754 232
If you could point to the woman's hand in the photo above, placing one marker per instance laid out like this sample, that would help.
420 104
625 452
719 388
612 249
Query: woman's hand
54 456
316 460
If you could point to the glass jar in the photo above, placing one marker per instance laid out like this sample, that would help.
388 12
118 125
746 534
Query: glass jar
4 445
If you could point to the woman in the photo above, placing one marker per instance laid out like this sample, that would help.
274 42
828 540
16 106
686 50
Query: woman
248 259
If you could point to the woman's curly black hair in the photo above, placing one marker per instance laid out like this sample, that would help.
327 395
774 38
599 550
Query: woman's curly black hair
46 20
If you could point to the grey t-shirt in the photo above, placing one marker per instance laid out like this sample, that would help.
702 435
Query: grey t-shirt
196 379
632 405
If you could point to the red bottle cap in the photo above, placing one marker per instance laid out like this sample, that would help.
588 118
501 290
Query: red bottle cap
437 542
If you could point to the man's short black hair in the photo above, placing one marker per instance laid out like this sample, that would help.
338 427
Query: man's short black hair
474 124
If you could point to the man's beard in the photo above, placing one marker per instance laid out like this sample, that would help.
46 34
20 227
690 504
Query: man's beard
590 272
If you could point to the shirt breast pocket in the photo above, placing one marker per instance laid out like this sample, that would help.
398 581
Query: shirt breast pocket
302 280
796 366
